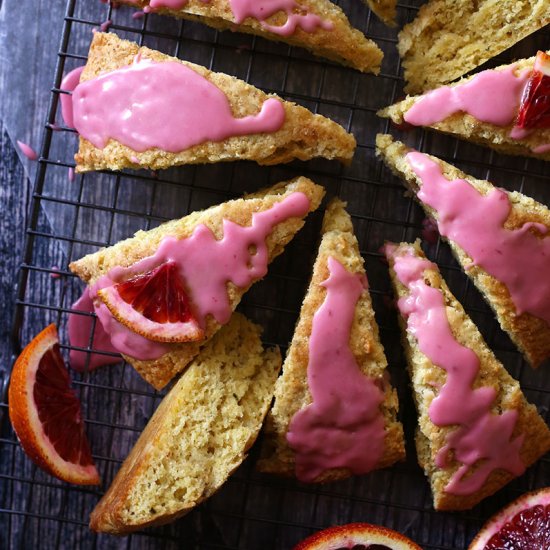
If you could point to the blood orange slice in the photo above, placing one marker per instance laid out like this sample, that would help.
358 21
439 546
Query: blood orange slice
154 305
522 525
357 536
45 412
534 111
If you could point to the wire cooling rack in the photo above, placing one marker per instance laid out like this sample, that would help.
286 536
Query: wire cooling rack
71 218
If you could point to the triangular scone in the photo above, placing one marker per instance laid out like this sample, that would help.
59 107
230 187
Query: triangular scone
530 332
293 393
480 426
385 10
476 94
342 43
144 244
450 38
198 436
302 136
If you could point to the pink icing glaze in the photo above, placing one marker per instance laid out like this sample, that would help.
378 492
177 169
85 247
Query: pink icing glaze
343 426
480 434
27 150
206 265
542 149
491 96
80 327
519 258
68 84
261 10
162 105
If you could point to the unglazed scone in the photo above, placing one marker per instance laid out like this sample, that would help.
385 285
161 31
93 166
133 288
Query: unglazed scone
338 256
302 134
468 110
341 42
476 431
173 357
449 38
529 331
385 10
198 436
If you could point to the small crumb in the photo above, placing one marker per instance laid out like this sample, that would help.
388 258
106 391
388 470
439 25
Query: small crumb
138 15
27 150
55 275
70 174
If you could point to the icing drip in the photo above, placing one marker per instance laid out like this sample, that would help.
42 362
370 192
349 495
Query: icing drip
261 10
162 105
27 150
80 328
481 439
206 265
68 84
542 149
519 258
343 426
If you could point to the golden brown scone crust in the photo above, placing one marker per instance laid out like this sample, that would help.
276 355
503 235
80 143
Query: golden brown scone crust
427 377
292 393
464 126
302 136
343 44
449 38
530 334
144 243
385 9
200 433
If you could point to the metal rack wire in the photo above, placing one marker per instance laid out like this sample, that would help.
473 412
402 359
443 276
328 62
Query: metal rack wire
71 218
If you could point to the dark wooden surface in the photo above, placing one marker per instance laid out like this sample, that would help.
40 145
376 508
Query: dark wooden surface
14 197
251 511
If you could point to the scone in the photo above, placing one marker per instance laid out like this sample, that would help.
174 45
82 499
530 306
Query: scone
386 10
163 293
136 107
476 431
317 25
449 38
468 109
335 412
499 238
198 436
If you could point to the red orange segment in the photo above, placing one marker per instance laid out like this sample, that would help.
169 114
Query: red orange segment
154 305
363 536
534 111
45 412
522 525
